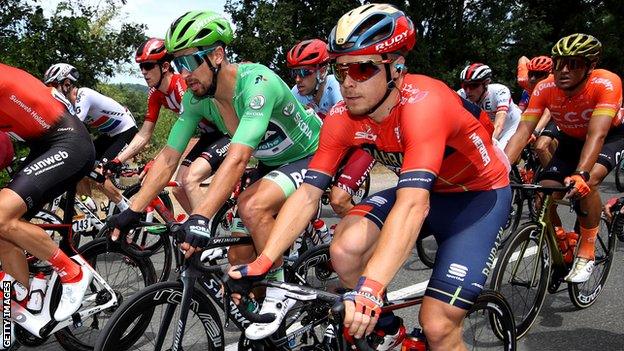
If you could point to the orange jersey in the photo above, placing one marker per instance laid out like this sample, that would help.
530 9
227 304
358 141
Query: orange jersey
27 109
523 76
602 95
433 136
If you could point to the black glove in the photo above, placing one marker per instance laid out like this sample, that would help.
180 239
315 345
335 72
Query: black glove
114 166
197 231
126 220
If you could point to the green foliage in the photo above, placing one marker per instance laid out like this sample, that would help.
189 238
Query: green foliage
161 132
77 33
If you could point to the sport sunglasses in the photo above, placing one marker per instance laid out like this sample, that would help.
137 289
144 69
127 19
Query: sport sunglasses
573 63
358 71
147 66
190 62
301 72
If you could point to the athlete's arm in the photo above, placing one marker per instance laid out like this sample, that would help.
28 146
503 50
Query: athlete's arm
138 142
528 122
499 123
543 121
160 173
596 133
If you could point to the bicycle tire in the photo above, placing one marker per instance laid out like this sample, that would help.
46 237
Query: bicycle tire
619 175
318 258
500 318
515 294
114 338
585 294
222 221
426 247
82 338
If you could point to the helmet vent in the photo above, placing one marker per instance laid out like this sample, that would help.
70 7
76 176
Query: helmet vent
203 33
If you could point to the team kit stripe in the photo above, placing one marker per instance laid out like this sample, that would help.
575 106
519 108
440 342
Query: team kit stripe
110 126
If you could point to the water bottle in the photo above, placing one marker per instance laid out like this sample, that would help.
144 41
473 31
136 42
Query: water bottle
414 341
571 240
322 233
38 288
88 201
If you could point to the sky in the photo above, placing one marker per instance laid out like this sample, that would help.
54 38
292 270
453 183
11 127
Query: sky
156 15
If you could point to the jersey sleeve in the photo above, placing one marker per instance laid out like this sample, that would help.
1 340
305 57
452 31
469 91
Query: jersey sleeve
523 76
153 107
335 95
259 100
184 128
83 103
462 93
503 99
537 103
424 147
609 96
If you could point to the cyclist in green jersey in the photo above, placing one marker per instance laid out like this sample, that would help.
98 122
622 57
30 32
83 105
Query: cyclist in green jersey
251 104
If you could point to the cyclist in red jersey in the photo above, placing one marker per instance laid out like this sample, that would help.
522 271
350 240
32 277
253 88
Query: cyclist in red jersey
6 150
61 153
583 102
450 175
166 89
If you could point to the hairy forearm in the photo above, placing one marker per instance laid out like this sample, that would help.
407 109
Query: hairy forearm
543 122
138 142
519 140
292 219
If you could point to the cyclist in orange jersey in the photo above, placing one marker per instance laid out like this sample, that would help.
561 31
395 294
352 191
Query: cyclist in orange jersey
583 102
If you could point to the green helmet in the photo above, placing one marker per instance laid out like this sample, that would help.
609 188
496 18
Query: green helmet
578 44
198 29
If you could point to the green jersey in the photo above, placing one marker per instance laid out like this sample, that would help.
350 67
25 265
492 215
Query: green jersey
271 120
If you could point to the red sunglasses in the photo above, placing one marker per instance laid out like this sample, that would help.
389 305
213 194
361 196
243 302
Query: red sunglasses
358 71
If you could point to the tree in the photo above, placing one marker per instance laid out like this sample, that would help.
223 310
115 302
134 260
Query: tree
76 33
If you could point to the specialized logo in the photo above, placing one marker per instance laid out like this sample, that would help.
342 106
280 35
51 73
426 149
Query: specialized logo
392 41
47 163
257 102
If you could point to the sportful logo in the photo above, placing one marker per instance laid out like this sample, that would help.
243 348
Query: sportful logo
47 163
457 271
392 41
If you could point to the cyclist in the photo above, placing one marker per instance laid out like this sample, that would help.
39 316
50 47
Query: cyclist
308 62
166 89
583 102
460 186
531 72
61 153
494 98
255 107
114 124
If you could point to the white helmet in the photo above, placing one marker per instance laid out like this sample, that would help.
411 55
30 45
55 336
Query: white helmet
58 72
476 72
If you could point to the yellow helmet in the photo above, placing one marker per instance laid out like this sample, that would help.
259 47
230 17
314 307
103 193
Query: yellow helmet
578 44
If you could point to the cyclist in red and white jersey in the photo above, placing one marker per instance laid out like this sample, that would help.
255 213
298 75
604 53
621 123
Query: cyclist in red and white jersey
61 153
166 89
113 123
583 101
450 175
494 98
308 62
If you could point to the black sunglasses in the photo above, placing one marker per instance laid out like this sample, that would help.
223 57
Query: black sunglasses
148 66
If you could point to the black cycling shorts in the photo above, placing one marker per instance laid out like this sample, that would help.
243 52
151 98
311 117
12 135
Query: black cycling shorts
212 147
551 129
566 158
108 147
55 164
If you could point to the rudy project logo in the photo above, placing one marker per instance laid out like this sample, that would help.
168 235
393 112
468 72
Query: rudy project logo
392 41
257 102
47 163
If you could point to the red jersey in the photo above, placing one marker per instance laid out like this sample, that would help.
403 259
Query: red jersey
172 100
27 109
433 139
602 95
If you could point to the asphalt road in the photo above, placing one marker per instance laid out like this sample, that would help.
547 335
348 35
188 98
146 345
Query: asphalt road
559 327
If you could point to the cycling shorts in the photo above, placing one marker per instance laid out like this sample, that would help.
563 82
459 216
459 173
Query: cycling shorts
467 227
551 130
212 147
355 170
108 147
56 162
565 160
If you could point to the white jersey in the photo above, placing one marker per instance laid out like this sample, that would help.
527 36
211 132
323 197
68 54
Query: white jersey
63 100
331 95
498 98
102 113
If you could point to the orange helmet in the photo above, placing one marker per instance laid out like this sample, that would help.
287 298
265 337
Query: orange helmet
308 53
540 64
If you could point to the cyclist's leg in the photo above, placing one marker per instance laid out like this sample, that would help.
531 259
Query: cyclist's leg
468 228
546 144
203 166
357 168
178 192
14 261
108 148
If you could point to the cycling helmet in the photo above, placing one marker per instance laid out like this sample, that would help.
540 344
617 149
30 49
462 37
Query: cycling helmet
372 29
308 53
58 72
198 29
540 64
152 50
475 72
578 44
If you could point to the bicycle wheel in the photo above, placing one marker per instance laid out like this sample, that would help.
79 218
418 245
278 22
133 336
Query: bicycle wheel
619 175
314 268
522 274
489 325
515 215
585 294
124 273
222 220
426 247
159 304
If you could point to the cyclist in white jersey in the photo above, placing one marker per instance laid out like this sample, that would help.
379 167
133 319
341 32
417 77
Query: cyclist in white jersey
493 98
113 123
